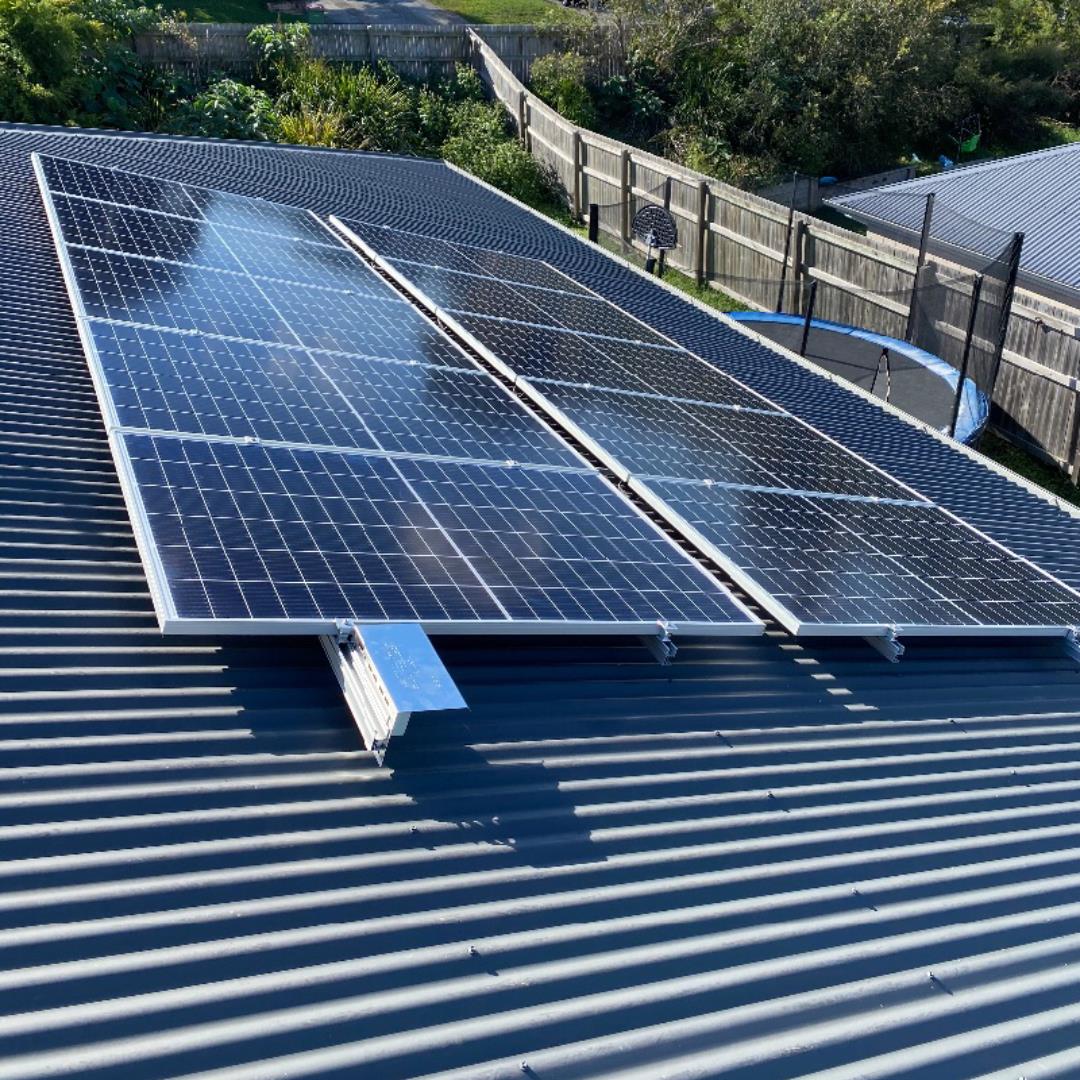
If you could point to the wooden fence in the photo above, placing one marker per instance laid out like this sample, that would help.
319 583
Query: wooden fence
735 241
416 52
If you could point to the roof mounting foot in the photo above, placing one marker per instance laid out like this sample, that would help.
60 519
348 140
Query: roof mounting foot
1072 644
888 645
660 644
387 672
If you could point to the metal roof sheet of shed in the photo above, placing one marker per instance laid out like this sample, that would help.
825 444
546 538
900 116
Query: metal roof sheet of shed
747 864
1037 194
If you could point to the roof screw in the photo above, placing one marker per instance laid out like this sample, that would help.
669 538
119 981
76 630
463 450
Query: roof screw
473 951
413 829
525 1067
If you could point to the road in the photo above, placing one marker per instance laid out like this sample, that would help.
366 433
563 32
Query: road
389 13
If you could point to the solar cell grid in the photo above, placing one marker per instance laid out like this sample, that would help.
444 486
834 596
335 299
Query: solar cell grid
395 245
544 542
867 564
111 185
136 232
506 266
416 409
129 289
582 314
268 533
202 385
257 215
534 352
256 533
649 436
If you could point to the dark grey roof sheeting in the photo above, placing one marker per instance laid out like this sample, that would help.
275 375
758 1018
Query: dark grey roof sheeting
745 865
979 206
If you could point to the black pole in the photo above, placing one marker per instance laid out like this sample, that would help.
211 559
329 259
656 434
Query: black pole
809 317
924 240
1006 309
667 207
594 222
976 289
787 242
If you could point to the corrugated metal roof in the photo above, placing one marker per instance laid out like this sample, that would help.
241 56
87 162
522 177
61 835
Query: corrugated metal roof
744 865
979 206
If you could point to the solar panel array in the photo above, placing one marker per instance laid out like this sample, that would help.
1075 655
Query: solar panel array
299 446
827 542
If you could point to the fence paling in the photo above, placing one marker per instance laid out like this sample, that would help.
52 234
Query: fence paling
419 52
735 241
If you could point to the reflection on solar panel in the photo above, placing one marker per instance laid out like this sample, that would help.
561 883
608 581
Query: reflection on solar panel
299 446
828 543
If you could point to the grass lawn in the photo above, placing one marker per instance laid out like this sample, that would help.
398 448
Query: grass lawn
254 11
225 11
498 11
1012 457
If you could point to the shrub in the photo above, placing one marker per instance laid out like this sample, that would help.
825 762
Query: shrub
17 90
324 126
278 50
561 80
227 109
481 145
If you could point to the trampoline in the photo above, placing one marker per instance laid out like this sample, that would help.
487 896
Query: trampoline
919 383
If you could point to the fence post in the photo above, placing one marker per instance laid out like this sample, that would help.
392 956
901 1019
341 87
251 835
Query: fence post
702 263
798 255
924 240
523 119
1074 437
976 290
624 192
576 187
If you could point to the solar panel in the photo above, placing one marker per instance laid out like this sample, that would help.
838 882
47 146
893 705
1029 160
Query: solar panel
299 446
827 542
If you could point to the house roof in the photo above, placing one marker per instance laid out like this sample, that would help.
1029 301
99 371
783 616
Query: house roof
748 863
979 207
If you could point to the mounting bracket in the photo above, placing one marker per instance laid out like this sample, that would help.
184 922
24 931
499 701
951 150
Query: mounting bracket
387 672
661 645
888 644
1072 644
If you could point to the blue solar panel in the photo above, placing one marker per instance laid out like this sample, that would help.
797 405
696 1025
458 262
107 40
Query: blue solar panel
653 436
264 534
845 562
302 446
826 541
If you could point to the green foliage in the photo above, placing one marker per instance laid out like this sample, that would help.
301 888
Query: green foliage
49 36
278 50
750 89
228 109
116 90
560 79
17 88
630 107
